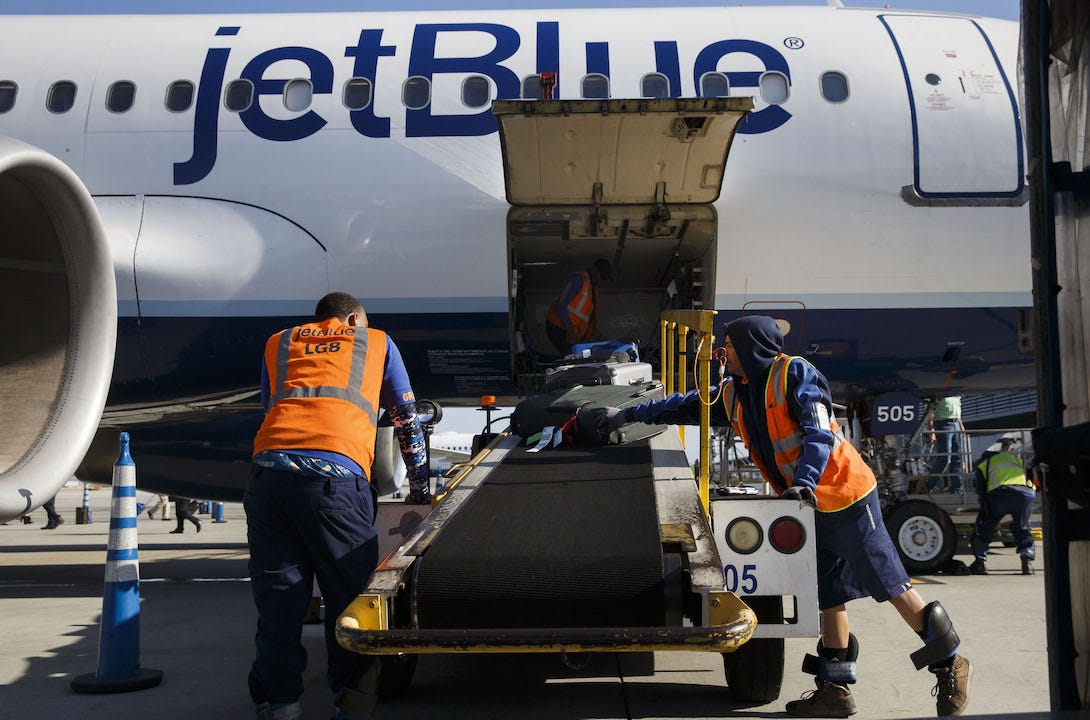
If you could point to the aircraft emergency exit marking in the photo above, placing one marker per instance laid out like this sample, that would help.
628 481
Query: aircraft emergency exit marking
369 50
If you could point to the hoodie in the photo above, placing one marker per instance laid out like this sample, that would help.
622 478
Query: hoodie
757 341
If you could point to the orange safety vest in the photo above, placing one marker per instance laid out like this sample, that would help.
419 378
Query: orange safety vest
580 310
324 383
846 477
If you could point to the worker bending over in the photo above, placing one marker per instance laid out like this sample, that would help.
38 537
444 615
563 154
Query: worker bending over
573 315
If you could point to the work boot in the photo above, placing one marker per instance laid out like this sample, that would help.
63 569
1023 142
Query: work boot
49 525
1027 565
829 700
978 568
951 691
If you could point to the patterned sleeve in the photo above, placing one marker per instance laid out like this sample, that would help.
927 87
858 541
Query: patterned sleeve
410 438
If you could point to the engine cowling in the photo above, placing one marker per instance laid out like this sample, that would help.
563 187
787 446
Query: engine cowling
58 314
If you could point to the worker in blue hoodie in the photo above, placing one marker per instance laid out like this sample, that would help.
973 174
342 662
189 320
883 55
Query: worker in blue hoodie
781 407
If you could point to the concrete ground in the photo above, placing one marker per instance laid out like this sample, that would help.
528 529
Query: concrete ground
197 623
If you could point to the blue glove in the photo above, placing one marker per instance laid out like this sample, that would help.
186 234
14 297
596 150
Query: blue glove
802 493
418 497
606 420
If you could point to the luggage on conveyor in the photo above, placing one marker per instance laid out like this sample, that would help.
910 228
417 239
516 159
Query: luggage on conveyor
600 373
559 406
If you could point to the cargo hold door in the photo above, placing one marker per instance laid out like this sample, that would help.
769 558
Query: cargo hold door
631 181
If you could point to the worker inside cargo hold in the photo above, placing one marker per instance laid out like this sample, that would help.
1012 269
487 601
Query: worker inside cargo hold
573 315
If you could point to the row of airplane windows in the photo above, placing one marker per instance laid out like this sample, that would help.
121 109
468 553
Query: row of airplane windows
415 91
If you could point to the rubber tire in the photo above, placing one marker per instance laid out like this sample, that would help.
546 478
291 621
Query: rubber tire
935 518
755 670
395 675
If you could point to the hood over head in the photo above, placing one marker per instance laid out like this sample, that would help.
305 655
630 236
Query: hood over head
757 340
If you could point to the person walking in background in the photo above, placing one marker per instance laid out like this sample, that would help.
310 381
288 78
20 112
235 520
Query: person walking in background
1003 489
184 509
53 518
159 504
946 433
573 315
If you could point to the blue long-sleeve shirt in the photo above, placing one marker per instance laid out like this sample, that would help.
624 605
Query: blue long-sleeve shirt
809 403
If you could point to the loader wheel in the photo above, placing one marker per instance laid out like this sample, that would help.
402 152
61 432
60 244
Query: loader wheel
923 534
755 670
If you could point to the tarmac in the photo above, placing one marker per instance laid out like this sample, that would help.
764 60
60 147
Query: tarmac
197 623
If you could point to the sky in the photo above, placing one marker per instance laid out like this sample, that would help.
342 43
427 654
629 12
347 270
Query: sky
1008 9
459 419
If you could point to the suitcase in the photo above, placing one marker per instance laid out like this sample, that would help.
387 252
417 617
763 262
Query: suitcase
556 408
611 373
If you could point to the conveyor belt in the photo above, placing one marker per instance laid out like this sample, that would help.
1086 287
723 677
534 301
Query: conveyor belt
567 537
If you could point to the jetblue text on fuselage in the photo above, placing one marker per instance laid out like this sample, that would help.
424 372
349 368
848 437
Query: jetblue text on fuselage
368 51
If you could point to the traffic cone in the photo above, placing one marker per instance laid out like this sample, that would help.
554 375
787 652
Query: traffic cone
119 631
83 513
217 513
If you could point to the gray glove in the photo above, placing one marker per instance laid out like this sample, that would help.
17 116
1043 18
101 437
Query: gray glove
606 420
801 493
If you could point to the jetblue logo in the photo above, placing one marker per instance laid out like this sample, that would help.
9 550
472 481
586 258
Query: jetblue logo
368 51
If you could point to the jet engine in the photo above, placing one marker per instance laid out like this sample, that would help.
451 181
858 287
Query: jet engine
58 325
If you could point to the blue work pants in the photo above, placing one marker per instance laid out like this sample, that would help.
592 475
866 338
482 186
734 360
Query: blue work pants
1001 502
946 463
298 527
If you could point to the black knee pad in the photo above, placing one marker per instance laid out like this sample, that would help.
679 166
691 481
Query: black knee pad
841 672
939 637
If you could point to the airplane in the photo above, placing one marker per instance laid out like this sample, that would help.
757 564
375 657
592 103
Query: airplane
176 188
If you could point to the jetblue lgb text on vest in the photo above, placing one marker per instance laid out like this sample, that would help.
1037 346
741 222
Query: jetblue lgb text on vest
369 50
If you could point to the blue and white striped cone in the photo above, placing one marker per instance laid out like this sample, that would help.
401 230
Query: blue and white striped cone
217 513
119 632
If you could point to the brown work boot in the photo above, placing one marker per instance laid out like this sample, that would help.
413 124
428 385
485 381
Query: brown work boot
951 691
829 700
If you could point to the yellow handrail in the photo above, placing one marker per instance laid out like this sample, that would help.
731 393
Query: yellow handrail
675 326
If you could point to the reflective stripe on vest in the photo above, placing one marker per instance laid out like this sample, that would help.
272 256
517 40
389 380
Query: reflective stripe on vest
324 383
1003 469
846 477
579 310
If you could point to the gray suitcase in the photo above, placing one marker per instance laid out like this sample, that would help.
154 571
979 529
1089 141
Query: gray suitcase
586 374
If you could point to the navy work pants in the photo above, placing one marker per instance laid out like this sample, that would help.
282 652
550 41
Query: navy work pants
1001 502
299 527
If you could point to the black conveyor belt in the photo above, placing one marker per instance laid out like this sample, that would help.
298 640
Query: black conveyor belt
567 537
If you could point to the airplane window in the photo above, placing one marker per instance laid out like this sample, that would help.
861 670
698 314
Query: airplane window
714 84
655 85
239 95
531 87
298 94
357 93
62 96
834 87
120 96
8 90
595 87
773 87
179 96
476 91
416 93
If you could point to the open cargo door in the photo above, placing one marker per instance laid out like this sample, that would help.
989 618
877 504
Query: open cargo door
631 181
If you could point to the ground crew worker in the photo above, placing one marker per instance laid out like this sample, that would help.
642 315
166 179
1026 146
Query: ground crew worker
782 409
573 315
309 506
1003 489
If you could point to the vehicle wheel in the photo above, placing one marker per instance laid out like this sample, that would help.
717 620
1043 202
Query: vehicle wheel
395 675
923 534
755 670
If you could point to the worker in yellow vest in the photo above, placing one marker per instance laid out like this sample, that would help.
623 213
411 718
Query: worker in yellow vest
1003 489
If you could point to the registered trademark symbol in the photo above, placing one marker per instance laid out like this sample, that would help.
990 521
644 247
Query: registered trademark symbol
793 43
